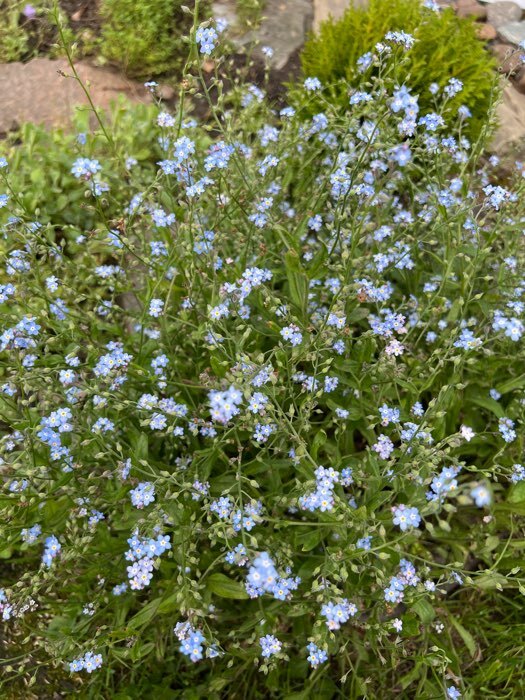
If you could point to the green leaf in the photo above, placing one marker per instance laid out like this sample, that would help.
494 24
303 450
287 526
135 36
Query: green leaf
225 587
138 650
146 614
139 443
489 404
489 580
512 384
318 441
297 279
410 677
424 610
410 626
517 493
310 539
364 349
455 309
509 507
318 261
219 368
465 635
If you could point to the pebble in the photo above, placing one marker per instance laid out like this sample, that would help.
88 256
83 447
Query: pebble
513 32
487 32
471 8
519 82
502 13
507 56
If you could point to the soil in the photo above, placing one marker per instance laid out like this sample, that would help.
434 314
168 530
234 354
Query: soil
82 14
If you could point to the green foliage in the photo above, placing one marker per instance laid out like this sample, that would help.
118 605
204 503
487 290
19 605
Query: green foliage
13 37
446 47
145 38
42 163
22 37
434 245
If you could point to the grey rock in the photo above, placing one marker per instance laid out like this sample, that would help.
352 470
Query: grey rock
225 9
519 3
510 134
39 92
283 27
323 9
501 13
513 32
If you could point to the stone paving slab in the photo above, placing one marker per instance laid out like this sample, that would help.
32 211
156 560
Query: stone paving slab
37 92
323 9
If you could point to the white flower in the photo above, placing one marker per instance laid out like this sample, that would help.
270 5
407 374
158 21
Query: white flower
397 624
467 432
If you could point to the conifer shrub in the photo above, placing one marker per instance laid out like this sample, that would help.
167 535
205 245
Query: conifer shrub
262 418
446 47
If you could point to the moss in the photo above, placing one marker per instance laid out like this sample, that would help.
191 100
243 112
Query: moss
447 46
144 38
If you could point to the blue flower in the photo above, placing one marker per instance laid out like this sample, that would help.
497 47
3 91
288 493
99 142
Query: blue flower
312 84
316 656
481 496
143 495
406 517
270 645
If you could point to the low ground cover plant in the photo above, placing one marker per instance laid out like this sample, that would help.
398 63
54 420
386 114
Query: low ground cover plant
262 405
40 164
27 29
144 38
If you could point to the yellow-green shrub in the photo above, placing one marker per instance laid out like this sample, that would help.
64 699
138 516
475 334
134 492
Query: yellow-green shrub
446 47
